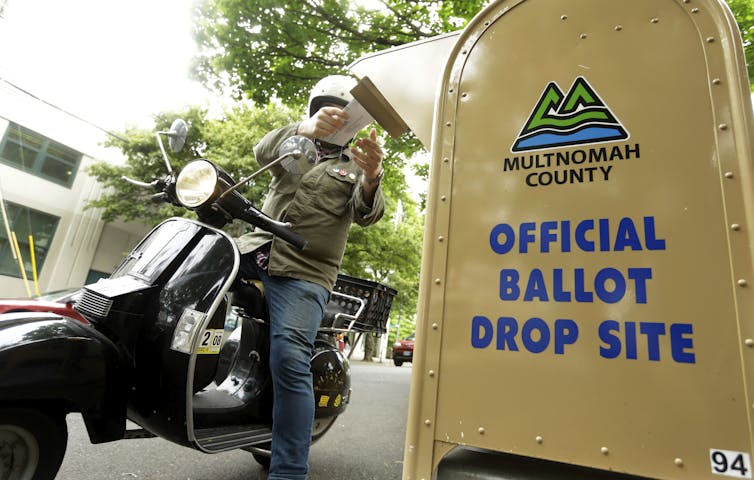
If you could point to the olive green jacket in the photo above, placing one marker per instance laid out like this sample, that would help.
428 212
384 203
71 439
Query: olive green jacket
321 204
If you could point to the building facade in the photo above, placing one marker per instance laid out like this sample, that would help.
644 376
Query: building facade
44 193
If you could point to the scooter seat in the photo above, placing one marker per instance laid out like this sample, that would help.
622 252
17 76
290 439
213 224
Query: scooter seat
248 295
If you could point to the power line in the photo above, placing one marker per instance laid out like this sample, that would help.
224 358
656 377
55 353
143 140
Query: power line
26 92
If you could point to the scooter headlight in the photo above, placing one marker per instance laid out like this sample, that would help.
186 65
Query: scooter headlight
196 183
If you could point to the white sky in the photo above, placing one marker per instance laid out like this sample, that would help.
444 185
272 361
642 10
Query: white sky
113 63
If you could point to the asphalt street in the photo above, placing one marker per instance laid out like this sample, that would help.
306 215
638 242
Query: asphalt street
366 442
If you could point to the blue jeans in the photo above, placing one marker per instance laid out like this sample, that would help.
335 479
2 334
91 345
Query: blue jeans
296 309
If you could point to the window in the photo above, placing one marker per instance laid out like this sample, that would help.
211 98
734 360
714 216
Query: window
24 222
94 276
33 153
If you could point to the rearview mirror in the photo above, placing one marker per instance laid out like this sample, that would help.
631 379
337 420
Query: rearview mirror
177 135
300 154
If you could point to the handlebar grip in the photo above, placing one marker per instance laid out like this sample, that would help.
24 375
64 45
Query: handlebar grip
279 229
289 236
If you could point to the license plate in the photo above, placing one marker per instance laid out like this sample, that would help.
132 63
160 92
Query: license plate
407 354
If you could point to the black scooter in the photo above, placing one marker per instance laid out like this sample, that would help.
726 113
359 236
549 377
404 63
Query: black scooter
178 343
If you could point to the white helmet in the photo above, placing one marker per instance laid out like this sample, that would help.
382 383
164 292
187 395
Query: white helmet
333 88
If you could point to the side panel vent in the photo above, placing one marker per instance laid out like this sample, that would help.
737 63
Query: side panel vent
94 304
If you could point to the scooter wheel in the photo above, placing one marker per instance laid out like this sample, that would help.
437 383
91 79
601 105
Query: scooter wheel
321 426
32 444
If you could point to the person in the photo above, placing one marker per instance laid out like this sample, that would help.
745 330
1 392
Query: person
342 187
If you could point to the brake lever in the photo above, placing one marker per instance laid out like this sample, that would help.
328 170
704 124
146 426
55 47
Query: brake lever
160 197
152 184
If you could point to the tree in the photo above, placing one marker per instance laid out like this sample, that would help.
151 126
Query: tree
743 10
273 48
389 252
227 141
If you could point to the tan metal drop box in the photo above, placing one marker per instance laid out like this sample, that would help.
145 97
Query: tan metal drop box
587 289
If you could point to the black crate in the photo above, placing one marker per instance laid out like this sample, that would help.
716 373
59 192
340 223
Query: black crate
374 318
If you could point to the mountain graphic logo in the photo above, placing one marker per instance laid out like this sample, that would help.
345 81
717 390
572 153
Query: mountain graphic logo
578 118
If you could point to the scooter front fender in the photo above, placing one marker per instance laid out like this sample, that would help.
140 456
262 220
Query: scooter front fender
61 363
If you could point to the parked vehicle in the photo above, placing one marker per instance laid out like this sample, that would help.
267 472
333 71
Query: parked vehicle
157 351
60 302
403 350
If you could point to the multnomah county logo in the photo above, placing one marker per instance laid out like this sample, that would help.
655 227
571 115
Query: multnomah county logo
578 118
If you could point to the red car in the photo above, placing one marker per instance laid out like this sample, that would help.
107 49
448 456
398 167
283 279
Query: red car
59 302
403 351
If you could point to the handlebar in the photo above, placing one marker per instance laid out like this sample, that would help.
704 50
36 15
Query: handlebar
138 183
232 203
279 229
165 189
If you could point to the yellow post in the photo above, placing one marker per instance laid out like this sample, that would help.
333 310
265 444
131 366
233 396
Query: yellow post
20 263
33 265
6 222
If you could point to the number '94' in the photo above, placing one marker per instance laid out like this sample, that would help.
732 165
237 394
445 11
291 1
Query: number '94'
730 463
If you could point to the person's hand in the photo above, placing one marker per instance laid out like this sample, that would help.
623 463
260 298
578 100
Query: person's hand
367 154
325 122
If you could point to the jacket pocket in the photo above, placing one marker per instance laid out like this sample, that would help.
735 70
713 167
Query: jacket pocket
336 189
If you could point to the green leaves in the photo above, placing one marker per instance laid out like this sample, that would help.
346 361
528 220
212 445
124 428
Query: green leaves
743 10
228 141
267 48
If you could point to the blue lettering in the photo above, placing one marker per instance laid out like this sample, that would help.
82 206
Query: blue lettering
558 294
510 238
609 284
653 331
565 236
589 234
548 235
599 285
604 235
526 236
581 240
627 236
679 344
606 330
631 341
640 277
650 237
481 332
581 294
535 346
507 328
535 287
509 284
535 334
566 333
